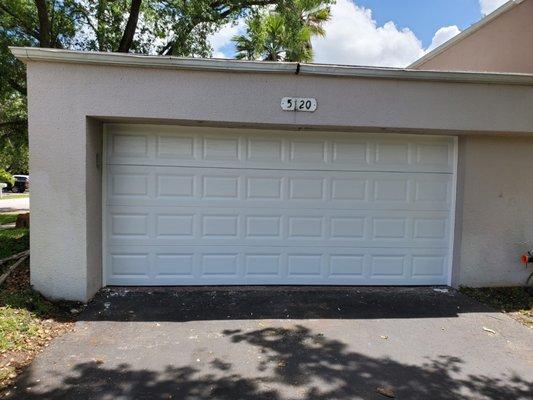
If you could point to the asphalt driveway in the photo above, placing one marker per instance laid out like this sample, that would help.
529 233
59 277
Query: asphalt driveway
283 343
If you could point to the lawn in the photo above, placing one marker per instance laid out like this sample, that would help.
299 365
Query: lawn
517 302
12 240
15 196
7 218
27 320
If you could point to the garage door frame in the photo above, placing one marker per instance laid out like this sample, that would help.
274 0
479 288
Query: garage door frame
453 198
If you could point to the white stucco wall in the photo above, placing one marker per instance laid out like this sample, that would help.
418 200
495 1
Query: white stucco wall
66 183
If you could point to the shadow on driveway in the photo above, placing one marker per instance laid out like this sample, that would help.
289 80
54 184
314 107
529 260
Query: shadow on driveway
295 358
281 344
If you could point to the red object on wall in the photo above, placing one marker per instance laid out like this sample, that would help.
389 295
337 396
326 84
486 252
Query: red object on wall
526 258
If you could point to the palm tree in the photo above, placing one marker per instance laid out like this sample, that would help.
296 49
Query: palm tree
309 16
285 33
249 46
275 36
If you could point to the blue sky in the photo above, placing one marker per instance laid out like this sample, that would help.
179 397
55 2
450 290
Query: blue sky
389 33
424 17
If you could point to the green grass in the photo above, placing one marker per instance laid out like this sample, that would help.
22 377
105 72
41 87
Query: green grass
27 320
16 320
27 299
16 326
7 218
13 241
15 196
21 314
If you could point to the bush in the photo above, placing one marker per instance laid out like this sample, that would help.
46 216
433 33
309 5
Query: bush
6 177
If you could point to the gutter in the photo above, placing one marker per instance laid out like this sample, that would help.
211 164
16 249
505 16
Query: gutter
31 54
137 60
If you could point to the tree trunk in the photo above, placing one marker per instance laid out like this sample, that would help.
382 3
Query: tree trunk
44 23
131 26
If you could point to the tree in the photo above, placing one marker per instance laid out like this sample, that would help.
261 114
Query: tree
265 35
284 33
169 27
6 177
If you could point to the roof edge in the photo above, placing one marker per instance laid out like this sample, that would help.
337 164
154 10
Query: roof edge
128 59
467 32
29 54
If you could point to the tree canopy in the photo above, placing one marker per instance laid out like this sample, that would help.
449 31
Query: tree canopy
165 27
284 33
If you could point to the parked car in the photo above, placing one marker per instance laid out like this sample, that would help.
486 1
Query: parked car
22 183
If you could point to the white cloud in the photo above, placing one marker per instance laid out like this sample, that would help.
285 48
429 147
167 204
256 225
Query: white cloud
488 6
353 37
221 39
443 35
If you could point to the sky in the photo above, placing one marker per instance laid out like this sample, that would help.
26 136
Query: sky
387 33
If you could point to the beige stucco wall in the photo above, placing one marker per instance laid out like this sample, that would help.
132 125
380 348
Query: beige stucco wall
68 101
502 45
497 209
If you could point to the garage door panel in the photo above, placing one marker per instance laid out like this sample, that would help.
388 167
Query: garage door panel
209 147
167 186
206 206
252 265
282 227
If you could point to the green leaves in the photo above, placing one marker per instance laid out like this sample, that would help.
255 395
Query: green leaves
283 33
169 27
6 177
276 30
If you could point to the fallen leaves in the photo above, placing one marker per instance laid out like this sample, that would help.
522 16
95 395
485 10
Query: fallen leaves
28 323
387 392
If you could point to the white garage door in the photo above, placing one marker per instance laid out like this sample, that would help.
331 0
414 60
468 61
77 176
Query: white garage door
195 206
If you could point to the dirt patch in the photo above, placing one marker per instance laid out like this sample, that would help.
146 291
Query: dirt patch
517 302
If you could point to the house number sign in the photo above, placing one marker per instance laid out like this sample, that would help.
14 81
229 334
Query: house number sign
305 104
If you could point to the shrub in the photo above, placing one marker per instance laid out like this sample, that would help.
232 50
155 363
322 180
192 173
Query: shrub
6 177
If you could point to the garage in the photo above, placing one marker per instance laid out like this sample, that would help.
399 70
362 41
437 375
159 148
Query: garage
205 172
207 206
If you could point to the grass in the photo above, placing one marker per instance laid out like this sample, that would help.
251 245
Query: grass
27 320
7 218
17 325
27 323
22 311
13 241
515 301
15 196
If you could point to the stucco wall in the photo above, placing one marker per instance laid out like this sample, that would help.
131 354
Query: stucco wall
66 183
497 209
93 184
57 140
503 45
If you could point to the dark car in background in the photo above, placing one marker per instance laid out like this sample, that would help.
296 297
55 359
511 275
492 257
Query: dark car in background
22 183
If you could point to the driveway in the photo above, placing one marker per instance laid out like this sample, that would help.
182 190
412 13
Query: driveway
8 204
285 343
